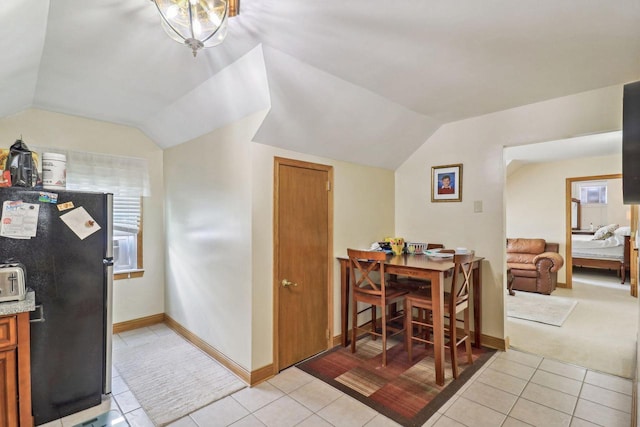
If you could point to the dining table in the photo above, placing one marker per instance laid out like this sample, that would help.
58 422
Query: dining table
426 267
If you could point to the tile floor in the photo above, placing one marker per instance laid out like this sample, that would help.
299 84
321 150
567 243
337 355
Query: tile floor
512 389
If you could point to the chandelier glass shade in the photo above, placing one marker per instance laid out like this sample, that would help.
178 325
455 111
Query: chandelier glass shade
196 23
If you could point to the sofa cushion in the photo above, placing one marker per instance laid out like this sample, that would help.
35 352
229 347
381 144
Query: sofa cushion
520 258
517 266
525 246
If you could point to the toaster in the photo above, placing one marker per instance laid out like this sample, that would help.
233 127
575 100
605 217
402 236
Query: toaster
12 282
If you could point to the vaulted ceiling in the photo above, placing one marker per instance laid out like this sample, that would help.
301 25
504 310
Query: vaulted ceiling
366 81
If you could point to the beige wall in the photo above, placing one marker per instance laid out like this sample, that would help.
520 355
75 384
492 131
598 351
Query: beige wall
535 197
478 144
133 298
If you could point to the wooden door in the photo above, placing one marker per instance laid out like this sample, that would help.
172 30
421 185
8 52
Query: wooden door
8 389
303 249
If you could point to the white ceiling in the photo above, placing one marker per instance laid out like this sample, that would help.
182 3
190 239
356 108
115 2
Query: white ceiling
602 144
358 80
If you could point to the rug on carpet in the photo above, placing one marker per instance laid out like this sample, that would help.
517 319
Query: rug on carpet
540 308
171 378
403 391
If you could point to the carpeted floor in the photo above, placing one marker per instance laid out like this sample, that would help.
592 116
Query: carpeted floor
171 378
600 333
403 391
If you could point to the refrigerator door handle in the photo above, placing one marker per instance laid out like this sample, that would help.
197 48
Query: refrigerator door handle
109 232
38 314
106 388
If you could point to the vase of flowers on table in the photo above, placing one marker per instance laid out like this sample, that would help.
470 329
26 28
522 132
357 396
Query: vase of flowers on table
397 244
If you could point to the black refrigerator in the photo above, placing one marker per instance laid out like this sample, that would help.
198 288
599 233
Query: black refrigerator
71 329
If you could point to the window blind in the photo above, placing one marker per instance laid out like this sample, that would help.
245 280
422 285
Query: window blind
127 178
122 176
126 214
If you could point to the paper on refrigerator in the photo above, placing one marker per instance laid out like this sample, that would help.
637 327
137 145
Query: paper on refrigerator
80 222
19 219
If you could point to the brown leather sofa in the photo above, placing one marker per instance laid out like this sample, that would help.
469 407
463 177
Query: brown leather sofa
534 264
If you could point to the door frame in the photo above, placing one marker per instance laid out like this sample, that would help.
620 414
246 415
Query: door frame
568 244
282 161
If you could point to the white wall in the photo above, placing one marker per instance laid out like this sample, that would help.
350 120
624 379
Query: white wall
208 232
535 197
363 213
133 298
478 144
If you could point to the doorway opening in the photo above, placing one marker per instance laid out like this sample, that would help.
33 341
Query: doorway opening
600 332
600 229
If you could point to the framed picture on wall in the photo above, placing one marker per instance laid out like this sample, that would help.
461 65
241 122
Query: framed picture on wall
446 183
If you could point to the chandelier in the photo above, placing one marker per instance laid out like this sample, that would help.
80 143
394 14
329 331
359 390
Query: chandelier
196 23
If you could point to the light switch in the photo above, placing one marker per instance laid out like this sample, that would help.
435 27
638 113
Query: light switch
477 206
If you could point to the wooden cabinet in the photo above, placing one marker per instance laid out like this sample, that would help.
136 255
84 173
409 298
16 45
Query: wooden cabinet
15 371
8 389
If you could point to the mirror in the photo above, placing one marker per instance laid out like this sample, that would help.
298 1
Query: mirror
575 214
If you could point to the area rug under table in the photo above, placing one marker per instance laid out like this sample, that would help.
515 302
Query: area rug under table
403 391
548 309
171 378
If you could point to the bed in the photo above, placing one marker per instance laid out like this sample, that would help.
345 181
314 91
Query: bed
612 253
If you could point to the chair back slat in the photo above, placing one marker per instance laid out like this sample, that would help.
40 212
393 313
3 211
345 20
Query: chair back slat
461 280
366 262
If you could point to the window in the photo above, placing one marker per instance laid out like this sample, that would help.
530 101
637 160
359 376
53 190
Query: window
128 180
127 236
593 194
125 251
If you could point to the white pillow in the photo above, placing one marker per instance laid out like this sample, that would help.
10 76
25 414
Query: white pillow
604 232
623 231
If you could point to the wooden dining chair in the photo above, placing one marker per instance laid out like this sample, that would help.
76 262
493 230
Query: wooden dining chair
374 292
455 301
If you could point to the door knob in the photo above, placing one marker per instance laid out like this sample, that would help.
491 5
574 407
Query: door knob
287 283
